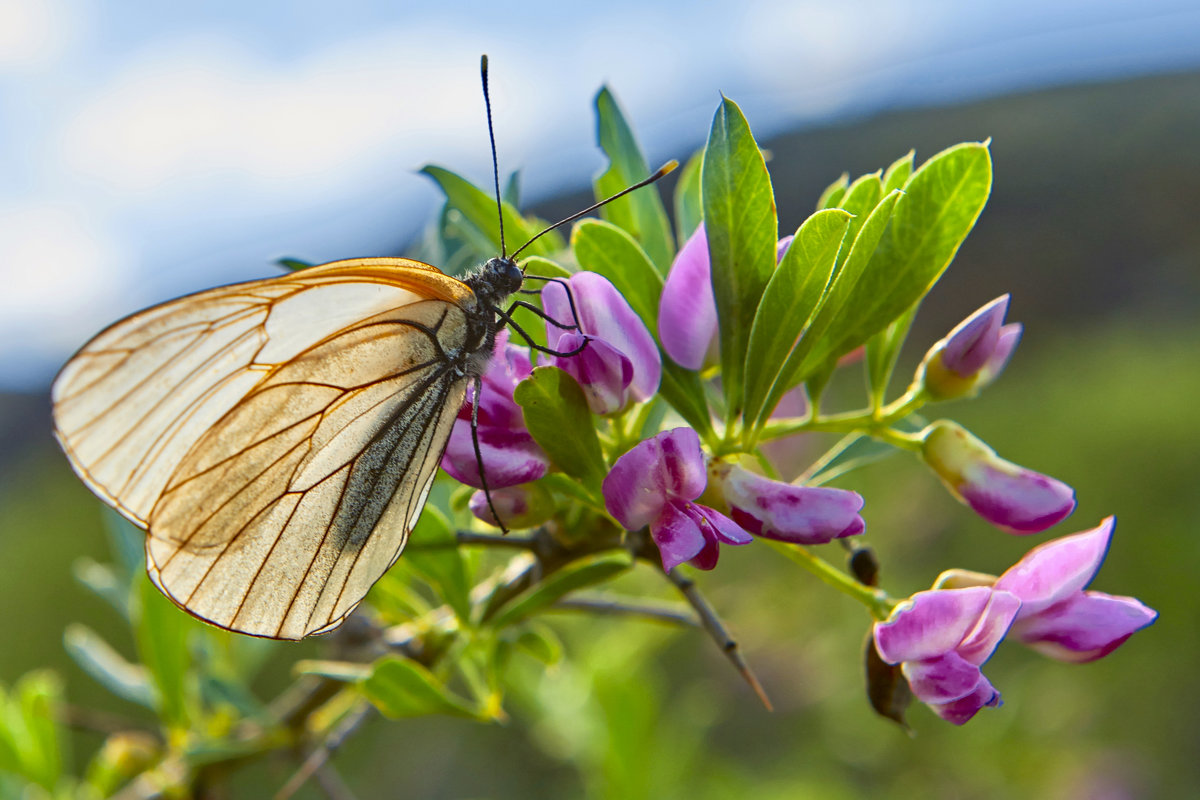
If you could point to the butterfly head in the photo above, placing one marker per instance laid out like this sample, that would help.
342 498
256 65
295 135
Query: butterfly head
496 280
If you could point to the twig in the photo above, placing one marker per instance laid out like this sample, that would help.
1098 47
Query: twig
331 783
90 719
716 629
320 755
612 605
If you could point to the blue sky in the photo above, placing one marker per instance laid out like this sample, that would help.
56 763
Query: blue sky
150 149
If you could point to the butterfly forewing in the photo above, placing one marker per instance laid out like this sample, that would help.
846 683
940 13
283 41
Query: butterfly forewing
277 438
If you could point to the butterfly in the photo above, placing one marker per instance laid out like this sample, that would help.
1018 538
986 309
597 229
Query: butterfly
278 438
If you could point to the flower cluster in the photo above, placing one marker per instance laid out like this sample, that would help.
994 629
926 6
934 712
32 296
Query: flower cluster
716 480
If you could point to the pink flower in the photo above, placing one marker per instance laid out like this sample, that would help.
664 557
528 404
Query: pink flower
1057 617
525 506
940 639
621 362
687 310
971 355
655 484
799 514
1009 496
509 452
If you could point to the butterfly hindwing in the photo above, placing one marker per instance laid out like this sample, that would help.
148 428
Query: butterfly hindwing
277 438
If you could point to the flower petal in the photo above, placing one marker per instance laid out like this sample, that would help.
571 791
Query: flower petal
601 370
1055 570
972 342
930 624
961 710
605 314
668 466
510 456
687 310
997 617
724 529
1088 626
678 537
943 679
800 514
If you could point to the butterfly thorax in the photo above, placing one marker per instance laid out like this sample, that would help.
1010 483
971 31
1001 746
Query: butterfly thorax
492 283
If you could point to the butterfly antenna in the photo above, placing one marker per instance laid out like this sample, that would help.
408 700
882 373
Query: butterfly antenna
665 169
487 102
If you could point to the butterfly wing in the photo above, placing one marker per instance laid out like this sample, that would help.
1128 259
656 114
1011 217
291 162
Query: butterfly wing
263 432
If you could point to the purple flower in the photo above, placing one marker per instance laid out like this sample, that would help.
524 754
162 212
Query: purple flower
798 514
941 638
655 484
621 361
1009 496
510 454
971 355
687 310
1057 617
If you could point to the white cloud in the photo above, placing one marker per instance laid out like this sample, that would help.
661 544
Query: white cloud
33 33
62 276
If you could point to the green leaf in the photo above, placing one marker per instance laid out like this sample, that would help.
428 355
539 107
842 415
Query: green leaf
557 415
293 263
402 688
98 659
942 200
790 299
161 632
639 213
344 671
683 390
30 720
127 542
740 223
604 248
580 573
834 192
838 309
896 175
860 199
478 209
689 208
104 582
544 267
512 190
540 642
438 560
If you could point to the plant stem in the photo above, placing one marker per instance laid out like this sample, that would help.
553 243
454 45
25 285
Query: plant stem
876 600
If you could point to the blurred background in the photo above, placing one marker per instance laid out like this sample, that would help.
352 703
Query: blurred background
149 150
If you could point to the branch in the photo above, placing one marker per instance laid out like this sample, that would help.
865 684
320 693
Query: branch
716 629
319 756
615 606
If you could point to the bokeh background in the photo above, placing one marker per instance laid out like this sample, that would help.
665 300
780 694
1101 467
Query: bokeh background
147 150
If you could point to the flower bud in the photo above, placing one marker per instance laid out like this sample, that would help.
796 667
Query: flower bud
970 356
1009 496
789 513
524 506
621 362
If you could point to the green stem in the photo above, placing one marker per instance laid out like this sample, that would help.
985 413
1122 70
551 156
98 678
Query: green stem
876 600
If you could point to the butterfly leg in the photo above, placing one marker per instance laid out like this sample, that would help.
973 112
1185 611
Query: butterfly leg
487 493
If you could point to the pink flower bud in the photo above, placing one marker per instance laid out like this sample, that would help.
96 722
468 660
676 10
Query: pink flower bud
972 355
510 454
799 514
519 507
621 362
1009 496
